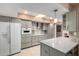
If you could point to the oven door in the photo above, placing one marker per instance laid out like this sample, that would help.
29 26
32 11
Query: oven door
26 31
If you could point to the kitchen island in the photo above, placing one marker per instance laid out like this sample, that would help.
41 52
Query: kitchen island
60 46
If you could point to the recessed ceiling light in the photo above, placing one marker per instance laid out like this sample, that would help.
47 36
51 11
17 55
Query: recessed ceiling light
40 15
24 11
51 18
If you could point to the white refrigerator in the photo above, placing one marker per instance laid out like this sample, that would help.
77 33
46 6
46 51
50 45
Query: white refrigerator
15 36
4 38
10 38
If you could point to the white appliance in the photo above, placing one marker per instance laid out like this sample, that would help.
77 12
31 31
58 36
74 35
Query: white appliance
4 38
10 38
15 36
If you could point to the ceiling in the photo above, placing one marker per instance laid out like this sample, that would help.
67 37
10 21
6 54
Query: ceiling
11 9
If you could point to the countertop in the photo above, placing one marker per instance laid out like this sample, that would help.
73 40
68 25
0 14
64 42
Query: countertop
61 43
33 34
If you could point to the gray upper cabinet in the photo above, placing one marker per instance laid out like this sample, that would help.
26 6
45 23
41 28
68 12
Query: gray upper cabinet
77 20
72 20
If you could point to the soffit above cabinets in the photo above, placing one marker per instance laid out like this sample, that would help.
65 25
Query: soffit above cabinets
71 6
29 17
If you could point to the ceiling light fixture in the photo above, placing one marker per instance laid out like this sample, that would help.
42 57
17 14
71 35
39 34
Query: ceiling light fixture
55 20
55 23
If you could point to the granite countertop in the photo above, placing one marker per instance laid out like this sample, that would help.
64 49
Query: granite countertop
61 43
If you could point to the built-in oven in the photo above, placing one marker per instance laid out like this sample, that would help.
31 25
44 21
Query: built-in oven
26 31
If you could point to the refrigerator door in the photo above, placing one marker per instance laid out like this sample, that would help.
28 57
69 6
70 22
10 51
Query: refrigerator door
15 30
4 38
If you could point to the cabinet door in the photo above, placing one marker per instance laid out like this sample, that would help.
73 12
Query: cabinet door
25 38
44 50
72 21
78 21
39 38
35 43
26 24
25 45
54 52
35 40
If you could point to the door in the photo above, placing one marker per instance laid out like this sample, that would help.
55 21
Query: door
15 31
4 38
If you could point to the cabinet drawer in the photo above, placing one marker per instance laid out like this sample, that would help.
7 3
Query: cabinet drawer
54 52
39 38
26 39
34 38
44 37
35 43
44 50
23 46
27 44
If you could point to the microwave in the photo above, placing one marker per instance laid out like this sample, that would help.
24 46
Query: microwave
26 31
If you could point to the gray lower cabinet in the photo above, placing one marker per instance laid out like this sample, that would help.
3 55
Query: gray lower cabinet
48 51
26 38
34 40
24 45
25 41
35 43
31 40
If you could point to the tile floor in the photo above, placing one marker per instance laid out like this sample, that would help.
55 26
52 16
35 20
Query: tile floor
33 51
